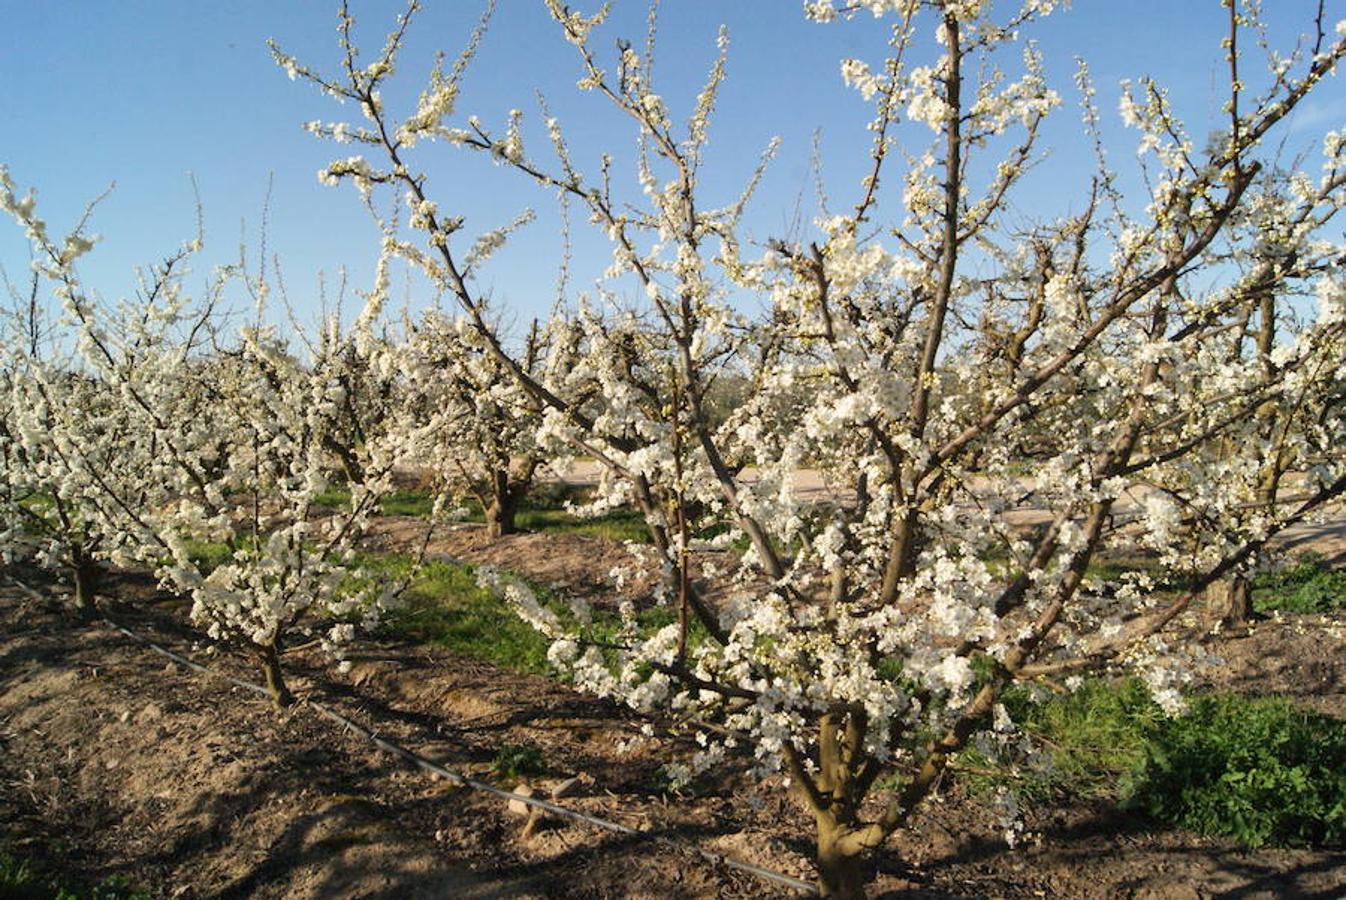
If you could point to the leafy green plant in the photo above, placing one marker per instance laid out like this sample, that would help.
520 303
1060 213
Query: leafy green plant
1259 769
1310 585
514 760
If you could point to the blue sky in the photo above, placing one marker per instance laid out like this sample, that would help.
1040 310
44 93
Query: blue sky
143 92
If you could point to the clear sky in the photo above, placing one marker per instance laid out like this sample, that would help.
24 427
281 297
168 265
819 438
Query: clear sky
144 92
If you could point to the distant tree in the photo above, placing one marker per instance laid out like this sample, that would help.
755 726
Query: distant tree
467 419
76 466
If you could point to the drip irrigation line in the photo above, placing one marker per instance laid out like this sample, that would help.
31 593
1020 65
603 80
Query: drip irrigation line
462 780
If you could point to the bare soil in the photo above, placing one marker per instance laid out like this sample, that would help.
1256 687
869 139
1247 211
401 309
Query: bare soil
114 762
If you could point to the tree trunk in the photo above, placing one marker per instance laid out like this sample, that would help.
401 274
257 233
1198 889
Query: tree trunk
275 678
86 574
1231 600
839 875
504 506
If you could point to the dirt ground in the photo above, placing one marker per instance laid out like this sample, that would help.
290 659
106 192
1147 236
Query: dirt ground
115 762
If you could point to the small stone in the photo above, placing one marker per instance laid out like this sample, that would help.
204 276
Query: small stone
366 673
566 788
125 716
171 668
517 806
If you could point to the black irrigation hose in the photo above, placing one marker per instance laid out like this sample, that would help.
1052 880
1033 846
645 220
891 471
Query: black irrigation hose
458 778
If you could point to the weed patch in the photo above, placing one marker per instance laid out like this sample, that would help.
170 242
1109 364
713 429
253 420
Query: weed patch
1087 741
1307 586
22 879
1261 770
515 760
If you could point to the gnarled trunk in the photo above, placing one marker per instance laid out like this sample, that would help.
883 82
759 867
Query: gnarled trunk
504 506
841 873
508 488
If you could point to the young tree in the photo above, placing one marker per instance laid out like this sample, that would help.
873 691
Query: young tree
874 635
278 419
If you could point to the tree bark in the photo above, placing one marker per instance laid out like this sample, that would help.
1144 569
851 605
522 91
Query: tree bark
1231 599
86 574
275 678
500 515
840 874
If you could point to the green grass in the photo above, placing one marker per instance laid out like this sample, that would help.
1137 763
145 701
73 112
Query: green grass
1105 569
444 607
333 496
41 503
618 525
394 503
543 511
1309 585
1115 569
408 503
23 879
441 607
208 555
1092 738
